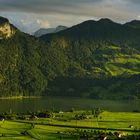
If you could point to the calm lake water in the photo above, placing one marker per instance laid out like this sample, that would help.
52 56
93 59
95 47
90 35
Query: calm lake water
65 104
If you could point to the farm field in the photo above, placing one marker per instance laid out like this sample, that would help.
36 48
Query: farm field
64 126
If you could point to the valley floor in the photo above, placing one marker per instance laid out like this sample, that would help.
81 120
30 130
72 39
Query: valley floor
64 126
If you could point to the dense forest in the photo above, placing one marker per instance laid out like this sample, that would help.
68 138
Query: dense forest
95 59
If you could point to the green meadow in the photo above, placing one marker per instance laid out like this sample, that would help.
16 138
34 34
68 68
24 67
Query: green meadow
64 126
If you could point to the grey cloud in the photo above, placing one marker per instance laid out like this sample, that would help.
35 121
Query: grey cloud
95 8
67 12
133 1
44 6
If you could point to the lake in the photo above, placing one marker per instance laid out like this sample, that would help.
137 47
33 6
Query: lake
65 104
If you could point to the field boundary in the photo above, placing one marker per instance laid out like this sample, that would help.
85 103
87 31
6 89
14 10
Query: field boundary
80 127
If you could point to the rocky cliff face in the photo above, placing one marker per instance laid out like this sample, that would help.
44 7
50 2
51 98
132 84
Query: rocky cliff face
6 29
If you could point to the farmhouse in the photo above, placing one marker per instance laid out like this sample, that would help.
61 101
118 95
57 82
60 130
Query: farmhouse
118 134
131 126
103 136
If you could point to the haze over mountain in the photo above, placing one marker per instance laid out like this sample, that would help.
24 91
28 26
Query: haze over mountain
95 59
44 31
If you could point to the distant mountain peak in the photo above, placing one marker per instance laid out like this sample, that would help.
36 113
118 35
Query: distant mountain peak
134 21
105 20
44 31
60 26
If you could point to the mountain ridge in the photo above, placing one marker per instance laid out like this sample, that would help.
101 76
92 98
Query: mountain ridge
81 61
103 21
134 24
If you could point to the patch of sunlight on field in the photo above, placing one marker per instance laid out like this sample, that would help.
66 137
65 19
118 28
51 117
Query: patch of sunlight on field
8 131
17 138
50 132
116 120
120 125
123 60
114 47
12 130
120 116
117 70
137 56
14 126
88 123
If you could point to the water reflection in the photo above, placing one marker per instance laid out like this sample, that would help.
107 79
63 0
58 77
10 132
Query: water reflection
61 103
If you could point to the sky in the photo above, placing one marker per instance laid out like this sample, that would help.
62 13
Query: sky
30 15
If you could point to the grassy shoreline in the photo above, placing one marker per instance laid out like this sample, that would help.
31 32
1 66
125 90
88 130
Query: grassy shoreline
21 97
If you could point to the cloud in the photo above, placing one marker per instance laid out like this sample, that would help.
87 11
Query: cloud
96 8
43 23
43 6
138 17
26 22
29 15
133 1
46 7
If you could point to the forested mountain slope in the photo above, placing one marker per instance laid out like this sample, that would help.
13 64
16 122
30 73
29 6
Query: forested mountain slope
96 59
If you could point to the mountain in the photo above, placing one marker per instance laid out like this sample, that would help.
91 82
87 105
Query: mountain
99 50
104 29
134 24
44 31
60 28
94 59
19 63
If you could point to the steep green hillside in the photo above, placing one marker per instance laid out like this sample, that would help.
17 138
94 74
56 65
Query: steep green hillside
19 62
93 59
106 72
